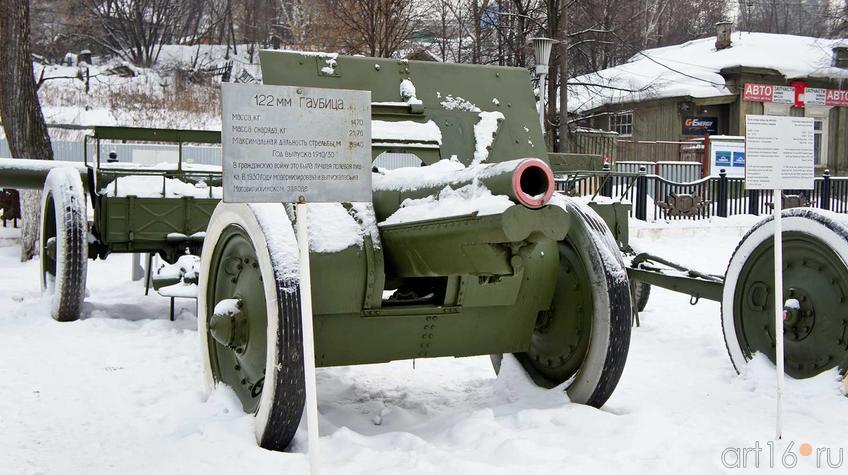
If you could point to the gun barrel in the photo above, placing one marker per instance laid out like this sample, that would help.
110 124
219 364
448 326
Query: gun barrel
529 182
28 174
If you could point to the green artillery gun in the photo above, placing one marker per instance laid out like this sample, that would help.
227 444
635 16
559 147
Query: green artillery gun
512 269
135 209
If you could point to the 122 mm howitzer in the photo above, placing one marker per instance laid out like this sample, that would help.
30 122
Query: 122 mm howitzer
469 254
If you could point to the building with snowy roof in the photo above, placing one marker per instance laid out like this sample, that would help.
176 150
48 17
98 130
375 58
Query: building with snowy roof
708 86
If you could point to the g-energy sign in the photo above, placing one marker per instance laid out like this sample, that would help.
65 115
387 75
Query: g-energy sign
699 125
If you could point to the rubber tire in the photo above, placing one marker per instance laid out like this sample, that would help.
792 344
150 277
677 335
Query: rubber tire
641 293
831 228
284 392
63 209
604 363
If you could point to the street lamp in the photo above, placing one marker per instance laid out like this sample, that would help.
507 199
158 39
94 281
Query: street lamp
542 53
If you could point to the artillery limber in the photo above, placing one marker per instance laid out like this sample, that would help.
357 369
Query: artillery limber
161 209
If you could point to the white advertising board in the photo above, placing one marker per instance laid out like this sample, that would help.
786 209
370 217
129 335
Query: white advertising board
728 155
779 153
287 143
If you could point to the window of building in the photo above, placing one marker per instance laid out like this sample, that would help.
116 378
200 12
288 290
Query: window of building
622 122
820 115
817 142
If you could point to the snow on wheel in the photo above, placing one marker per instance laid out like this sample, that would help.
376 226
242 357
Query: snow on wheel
641 293
64 244
249 316
585 337
815 292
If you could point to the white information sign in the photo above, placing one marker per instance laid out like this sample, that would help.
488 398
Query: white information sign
728 154
287 143
779 153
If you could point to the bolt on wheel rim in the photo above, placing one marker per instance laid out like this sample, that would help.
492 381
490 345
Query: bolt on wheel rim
237 339
816 333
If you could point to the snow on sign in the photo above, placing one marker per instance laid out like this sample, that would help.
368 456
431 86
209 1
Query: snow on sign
779 153
284 143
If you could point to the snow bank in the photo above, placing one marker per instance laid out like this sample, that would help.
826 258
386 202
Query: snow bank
649 74
678 406
471 198
150 186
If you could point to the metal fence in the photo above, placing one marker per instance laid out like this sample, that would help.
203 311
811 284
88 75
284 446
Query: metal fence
655 197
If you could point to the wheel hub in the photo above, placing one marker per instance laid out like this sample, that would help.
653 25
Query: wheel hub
800 315
227 324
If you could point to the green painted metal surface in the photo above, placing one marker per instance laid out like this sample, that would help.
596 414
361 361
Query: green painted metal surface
451 95
460 285
816 334
238 345
28 174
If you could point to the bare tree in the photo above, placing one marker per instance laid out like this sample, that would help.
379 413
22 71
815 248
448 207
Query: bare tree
373 27
136 30
297 21
20 110
800 17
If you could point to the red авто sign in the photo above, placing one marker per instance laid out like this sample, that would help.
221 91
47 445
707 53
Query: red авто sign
836 97
798 95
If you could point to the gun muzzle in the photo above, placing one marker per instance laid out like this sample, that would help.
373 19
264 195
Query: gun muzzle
533 183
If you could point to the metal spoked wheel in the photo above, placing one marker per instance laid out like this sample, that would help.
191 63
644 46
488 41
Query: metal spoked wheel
815 288
249 317
64 247
585 336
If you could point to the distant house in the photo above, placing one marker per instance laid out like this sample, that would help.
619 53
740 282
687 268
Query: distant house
678 93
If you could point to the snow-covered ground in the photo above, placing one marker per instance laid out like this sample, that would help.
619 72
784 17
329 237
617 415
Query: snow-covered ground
120 391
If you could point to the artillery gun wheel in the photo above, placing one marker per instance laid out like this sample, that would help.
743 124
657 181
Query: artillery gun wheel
249 316
64 244
815 273
641 293
585 337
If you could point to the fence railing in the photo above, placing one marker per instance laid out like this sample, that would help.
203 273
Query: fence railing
655 197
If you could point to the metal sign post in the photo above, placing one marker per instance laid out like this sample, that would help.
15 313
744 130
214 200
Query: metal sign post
778 306
779 154
297 145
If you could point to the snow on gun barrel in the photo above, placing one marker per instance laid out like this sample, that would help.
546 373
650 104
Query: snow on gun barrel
529 182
